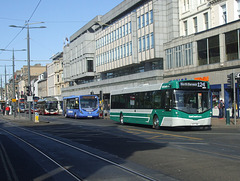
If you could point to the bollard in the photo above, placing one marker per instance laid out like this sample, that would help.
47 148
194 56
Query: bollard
228 117
36 117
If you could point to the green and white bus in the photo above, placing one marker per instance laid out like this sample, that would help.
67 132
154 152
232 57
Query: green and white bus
172 104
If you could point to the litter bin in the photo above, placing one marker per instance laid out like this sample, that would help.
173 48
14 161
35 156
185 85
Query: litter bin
228 116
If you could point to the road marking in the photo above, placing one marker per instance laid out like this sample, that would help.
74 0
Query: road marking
8 167
159 133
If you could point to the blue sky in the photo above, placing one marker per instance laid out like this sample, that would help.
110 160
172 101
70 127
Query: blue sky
62 18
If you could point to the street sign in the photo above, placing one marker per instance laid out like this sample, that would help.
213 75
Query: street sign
29 98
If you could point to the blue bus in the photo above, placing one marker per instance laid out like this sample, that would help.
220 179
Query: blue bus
83 106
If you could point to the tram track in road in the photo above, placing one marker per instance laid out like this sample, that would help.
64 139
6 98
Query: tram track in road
122 168
186 140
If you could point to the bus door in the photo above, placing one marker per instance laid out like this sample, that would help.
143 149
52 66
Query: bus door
166 114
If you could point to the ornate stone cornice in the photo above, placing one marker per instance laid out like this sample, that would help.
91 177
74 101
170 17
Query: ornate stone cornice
211 2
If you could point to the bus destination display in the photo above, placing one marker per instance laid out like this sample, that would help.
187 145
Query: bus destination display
192 85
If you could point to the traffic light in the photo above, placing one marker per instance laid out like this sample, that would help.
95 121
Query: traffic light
28 91
231 79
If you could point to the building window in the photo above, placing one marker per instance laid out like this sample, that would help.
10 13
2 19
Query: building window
214 50
57 78
232 45
130 27
143 20
113 55
147 18
202 52
118 52
139 44
126 29
151 16
120 32
185 28
130 47
238 10
117 33
143 43
179 56
185 5
224 14
206 21
188 55
121 52
139 22
169 58
208 50
195 24
152 40
148 42
90 65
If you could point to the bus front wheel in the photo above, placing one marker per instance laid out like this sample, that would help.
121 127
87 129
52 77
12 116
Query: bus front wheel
156 122
121 119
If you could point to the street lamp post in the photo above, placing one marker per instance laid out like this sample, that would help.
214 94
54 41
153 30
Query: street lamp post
14 94
28 55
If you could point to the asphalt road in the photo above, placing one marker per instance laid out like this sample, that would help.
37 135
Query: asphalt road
165 154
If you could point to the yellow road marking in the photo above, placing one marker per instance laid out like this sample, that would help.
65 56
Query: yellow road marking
165 134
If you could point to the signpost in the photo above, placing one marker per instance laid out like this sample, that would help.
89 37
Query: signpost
231 80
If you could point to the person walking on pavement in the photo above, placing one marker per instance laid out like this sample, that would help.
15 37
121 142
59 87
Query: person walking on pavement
3 110
220 107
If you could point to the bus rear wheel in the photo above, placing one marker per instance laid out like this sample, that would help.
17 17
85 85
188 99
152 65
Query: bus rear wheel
121 119
156 122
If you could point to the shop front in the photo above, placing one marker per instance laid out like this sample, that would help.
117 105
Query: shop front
228 99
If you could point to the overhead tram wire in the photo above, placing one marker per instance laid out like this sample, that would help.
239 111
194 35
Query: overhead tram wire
24 26
8 60
34 11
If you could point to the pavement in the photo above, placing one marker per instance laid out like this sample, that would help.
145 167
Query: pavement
216 122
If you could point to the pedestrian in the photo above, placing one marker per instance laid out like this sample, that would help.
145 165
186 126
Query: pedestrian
3 109
220 107
7 110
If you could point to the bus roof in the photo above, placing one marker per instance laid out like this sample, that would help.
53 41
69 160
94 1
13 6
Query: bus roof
70 97
141 88
182 84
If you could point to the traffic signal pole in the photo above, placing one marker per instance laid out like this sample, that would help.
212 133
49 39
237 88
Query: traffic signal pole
234 98
231 80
